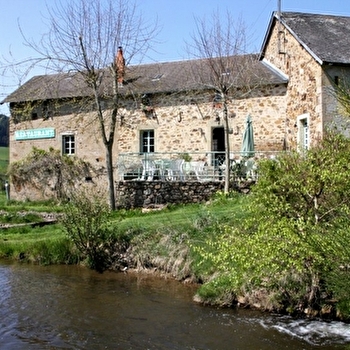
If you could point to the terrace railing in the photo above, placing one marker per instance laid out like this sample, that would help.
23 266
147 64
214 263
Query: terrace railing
189 166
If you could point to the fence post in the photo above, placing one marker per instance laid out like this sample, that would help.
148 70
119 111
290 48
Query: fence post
7 190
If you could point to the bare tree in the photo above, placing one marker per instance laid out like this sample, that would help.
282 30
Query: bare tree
220 44
84 37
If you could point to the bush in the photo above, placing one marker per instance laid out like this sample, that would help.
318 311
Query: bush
42 170
85 220
294 239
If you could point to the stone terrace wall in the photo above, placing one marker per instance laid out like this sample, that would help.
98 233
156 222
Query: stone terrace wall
137 194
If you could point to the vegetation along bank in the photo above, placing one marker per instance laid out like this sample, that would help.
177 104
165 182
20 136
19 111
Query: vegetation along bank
283 247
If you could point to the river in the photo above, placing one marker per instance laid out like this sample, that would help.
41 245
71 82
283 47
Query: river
70 307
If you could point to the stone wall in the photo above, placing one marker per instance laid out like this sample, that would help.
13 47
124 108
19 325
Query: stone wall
185 122
305 83
136 194
334 114
180 125
84 126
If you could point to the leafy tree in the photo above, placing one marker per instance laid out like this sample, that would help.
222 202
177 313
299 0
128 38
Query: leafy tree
310 193
85 221
84 37
313 187
295 242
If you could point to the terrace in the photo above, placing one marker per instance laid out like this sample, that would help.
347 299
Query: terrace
187 167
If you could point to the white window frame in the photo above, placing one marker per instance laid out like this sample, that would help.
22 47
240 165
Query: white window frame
303 132
68 144
147 141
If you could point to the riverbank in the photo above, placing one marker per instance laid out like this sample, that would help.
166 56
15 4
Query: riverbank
180 242
137 311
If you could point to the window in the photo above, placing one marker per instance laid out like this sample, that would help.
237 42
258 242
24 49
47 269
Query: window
226 72
336 80
147 141
156 77
68 144
303 132
47 110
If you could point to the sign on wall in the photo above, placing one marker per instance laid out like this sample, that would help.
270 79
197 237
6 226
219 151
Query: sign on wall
34 134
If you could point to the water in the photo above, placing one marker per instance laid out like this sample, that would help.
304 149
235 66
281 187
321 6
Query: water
66 307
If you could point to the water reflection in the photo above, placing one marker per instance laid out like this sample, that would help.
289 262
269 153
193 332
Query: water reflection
62 307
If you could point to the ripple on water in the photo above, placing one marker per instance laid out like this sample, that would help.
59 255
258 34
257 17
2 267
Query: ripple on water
314 332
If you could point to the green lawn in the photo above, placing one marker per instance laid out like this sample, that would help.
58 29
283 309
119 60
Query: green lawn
4 160
175 219
181 217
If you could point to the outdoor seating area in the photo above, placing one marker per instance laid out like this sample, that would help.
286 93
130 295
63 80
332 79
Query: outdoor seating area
209 166
165 170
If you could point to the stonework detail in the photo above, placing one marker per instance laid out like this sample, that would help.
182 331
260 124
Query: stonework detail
304 89
134 194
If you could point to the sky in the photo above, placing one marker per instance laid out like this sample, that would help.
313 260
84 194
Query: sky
175 19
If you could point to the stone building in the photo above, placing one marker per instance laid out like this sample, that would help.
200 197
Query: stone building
173 107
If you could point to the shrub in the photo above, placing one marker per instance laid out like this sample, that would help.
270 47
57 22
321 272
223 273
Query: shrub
42 170
294 239
85 220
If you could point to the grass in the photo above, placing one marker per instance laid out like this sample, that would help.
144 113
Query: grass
44 245
162 240
4 160
150 232
182 216
12 206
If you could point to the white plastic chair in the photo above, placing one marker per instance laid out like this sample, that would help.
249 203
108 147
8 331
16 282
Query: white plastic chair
251 169
148 169
175 171
198 169
163 168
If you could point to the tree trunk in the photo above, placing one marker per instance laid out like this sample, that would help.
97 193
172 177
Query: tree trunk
227 149
110 176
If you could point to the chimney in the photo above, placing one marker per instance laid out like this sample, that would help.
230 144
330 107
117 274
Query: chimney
120 65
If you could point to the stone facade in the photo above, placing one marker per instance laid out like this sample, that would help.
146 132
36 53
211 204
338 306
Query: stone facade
180 125
304 83
285 116
309 92
84 127
151 194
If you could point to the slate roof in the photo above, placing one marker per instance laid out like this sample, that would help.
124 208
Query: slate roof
148 78
325 37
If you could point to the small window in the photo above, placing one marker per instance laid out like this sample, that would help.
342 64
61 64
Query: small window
226 72
147 141
47 110
303 132
336 80
145 100
68 144
156 77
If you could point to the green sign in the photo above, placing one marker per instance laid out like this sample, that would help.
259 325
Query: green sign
34 134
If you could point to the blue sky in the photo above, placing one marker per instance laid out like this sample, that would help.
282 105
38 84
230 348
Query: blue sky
175 18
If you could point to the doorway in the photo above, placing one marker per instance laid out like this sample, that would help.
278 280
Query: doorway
218 146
